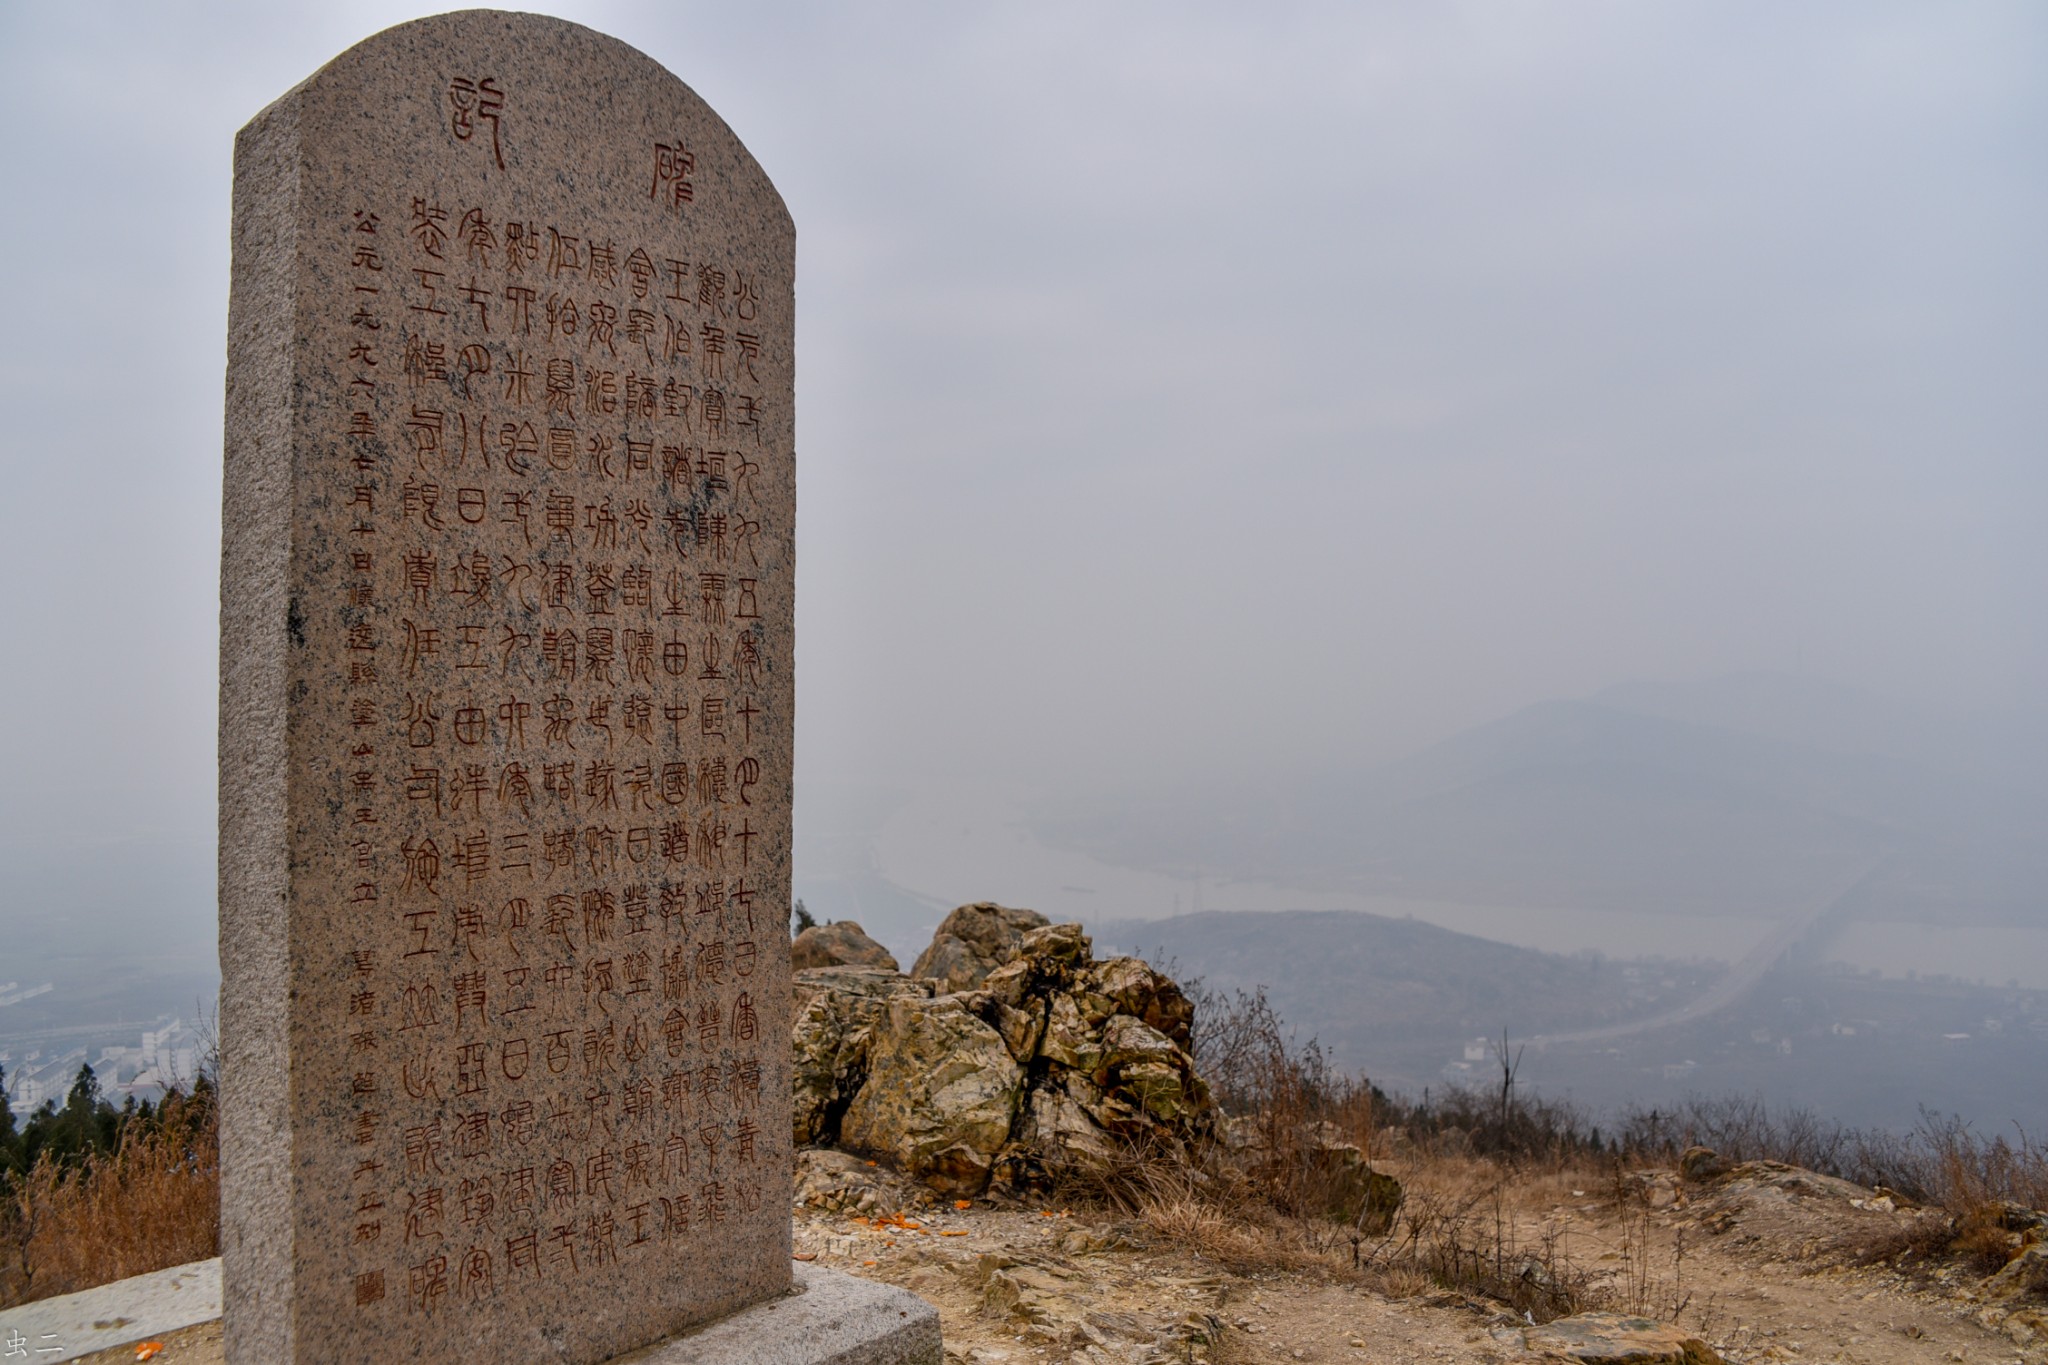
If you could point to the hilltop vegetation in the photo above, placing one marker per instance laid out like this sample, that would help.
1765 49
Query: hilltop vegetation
90 1193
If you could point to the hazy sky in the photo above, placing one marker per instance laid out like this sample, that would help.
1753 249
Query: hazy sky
1182 387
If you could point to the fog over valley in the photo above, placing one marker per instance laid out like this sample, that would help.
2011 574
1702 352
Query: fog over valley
1467 519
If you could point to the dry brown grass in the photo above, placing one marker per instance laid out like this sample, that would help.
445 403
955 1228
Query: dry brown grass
1466 1226
1198 1225
152 1203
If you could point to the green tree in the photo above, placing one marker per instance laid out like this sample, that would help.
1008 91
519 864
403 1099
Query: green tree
86 1124
10 1141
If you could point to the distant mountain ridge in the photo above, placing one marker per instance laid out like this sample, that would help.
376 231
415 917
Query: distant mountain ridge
1401 983
1747 795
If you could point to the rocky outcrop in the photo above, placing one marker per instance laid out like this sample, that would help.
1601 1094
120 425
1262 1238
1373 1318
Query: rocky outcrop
940 1095
972 942
1614 1339
2016 1298
834 1016
2024 1275
1050 1058
842 943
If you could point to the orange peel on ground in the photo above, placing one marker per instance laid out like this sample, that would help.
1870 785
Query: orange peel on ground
149 1350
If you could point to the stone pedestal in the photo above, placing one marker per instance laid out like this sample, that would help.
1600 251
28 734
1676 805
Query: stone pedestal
828 1318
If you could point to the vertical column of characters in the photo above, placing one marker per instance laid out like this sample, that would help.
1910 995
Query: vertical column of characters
434 851
686 968
479 287
749 680
501 1207
552 1187
575 713
716 541
692 968
452 366
369 295
593 309
619 405
733 417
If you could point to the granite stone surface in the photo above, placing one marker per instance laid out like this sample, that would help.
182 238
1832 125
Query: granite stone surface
831 1318
825 1318
73 1325
506 707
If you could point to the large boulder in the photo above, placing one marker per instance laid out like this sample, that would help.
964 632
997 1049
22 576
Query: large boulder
940 1095
842 943
972 942
1616 1339
833 1020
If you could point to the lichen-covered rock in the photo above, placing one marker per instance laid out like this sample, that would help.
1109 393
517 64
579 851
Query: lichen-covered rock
1053 1131
940 1097
836 1008
1146 995
843 943
1614 1339
2024 1274
1056 951
1126 1041
1143 1061
1158 1087
1010 983
1048 1060
973 941
1358 1195
1022 1029
1346 1188
1068 1039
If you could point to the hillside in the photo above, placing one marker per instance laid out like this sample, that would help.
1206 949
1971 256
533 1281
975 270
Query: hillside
1411 987
1749 795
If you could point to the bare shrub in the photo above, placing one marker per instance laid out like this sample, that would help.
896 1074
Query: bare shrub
1283 1180
1740 1128
1303 1131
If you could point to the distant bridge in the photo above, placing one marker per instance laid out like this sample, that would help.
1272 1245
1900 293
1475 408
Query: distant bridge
1739 979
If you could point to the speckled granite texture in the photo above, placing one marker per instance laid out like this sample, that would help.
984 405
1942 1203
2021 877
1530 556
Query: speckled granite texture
832 1318
506 707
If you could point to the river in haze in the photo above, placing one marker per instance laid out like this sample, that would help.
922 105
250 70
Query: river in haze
956 846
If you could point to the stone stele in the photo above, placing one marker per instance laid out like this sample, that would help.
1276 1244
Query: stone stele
506 701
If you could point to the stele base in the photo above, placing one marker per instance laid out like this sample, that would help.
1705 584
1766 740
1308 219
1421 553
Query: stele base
828 1318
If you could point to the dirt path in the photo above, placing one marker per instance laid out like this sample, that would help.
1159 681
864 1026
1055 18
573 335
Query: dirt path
1758 1269
1760 1274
